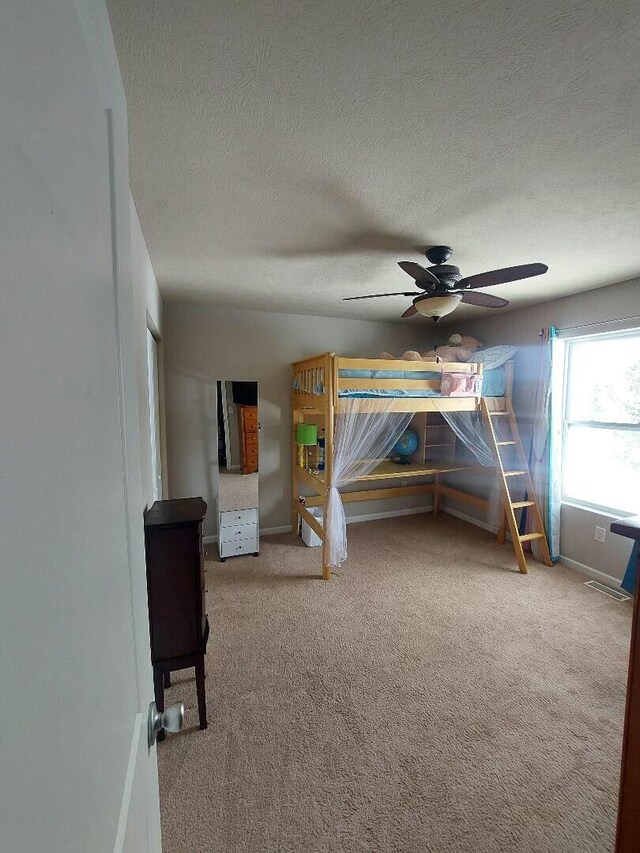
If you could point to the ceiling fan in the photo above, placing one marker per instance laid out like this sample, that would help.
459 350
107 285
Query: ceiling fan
443 287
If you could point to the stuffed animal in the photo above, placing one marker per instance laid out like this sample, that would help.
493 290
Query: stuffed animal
453 353
458 348
465 341
410 355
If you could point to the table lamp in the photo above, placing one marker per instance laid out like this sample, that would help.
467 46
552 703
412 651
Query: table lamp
306 436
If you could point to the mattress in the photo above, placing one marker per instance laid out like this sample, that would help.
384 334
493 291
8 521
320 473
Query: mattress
493 383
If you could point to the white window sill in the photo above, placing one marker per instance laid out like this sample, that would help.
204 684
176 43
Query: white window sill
606 511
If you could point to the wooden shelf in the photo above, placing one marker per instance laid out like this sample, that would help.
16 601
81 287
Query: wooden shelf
388 470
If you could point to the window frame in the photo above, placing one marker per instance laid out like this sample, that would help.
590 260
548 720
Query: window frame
567 423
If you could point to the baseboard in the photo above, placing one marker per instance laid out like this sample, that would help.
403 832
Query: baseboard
609 580
354 519
595 574
392 513
273 531
485 525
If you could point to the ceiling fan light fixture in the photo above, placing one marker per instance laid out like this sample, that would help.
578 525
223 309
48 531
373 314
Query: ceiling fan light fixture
438 306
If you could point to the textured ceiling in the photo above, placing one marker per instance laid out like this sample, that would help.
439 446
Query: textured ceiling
286 153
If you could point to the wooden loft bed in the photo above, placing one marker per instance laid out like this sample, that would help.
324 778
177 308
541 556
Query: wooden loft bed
316 398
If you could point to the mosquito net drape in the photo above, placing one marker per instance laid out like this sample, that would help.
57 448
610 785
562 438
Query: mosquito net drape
363 439
469 428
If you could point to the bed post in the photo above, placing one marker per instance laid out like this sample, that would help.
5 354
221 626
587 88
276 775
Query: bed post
508 375
296 417
331 391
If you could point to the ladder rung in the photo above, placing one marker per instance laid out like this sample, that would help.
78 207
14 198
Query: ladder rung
502 443
520 504
529 536
514 473
498 414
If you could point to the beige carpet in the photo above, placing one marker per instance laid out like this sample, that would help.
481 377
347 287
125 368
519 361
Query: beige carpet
237 491
429 699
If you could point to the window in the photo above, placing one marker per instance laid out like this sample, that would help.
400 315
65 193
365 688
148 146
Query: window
601 428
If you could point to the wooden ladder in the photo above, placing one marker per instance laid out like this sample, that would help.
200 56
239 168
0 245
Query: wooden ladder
519 474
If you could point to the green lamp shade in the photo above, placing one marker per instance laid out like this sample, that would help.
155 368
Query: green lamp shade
307 434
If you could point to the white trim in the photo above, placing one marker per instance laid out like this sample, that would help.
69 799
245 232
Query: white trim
567 424
354 519
617 328
485 525
609 580
392 513
596 509
125 804
272 531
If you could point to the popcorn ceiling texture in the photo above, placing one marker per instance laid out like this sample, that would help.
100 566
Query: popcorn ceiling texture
286 154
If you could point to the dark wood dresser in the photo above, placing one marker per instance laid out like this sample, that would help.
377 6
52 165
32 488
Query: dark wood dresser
175 587
628 833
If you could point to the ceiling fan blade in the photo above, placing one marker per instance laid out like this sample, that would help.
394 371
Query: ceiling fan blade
418 272
486 300
411 310
377 295
486 279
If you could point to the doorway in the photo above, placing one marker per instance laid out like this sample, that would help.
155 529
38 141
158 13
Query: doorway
154 415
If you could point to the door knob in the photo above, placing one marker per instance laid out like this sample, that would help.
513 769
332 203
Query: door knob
171 720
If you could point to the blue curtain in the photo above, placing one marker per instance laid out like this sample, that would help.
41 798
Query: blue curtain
544 451
630 580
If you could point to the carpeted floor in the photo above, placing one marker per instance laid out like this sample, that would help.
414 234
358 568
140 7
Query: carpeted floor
237 491
429 699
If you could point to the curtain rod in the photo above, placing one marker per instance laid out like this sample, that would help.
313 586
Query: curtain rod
601 323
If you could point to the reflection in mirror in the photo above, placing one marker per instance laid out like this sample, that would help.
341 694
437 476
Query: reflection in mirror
238 457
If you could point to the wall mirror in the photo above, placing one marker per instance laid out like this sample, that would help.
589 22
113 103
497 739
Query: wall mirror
238 462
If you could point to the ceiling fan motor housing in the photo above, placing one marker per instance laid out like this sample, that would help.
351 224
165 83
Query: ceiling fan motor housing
447 274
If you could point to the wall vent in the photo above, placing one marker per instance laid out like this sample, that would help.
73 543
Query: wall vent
607 590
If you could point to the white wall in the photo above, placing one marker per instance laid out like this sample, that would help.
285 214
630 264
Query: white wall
520 327
203 344
77 774
147 314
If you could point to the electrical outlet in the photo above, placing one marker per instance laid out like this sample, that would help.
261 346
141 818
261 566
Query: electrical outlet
600 534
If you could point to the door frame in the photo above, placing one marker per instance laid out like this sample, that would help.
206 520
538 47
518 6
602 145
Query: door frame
96 26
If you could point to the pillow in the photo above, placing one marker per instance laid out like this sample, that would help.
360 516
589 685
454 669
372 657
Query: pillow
493 357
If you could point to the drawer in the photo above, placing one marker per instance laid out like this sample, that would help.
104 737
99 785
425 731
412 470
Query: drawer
251 438
234 517
238 531
234 549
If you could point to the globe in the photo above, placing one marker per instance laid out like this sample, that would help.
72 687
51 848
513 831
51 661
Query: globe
405 446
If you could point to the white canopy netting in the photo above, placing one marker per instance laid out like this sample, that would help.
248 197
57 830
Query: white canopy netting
363 439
